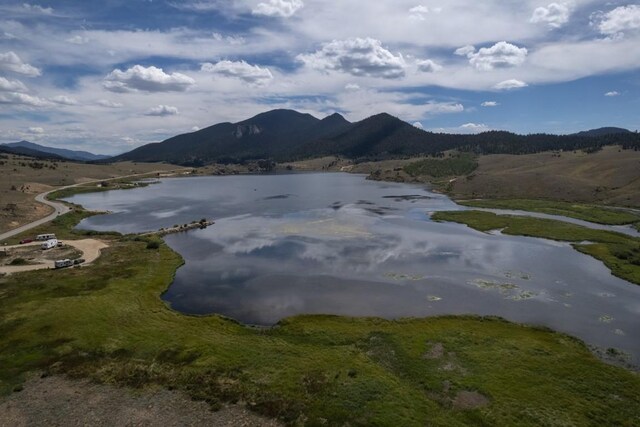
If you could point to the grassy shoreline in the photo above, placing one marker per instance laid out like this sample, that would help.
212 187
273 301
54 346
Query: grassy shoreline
619 252
586 212
108 323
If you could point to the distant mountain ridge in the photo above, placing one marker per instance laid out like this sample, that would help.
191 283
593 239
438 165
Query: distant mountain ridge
603 131
285 135
28 152
84 156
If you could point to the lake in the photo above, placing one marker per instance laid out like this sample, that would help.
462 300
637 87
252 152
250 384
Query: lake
336 243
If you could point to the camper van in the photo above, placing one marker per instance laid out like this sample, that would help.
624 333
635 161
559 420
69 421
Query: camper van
51 243
62 263
45 236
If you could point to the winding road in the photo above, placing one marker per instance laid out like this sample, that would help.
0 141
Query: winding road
61 208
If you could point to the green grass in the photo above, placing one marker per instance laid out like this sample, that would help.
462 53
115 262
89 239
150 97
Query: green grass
586 212
619 252
458 164
108 323
62 227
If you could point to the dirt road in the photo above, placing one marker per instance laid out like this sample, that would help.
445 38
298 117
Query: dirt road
61 208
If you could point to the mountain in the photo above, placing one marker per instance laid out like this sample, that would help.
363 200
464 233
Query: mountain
285 135
603 131
274 134
83 156
29 152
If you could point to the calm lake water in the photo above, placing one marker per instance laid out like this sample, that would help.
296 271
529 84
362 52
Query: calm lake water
339 244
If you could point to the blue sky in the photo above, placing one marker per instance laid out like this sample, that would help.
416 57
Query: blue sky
112 75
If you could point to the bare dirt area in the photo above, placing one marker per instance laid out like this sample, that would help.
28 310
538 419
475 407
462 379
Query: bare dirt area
24 177
57 401
469 400
610 176
34 258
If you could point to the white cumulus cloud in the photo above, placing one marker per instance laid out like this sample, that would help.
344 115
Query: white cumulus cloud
280 8
418 125
358 57
64 100
109 104
36 130
612 93
14 98
146 79
474 127
465 50
162 110
7 85
619 20
466 129
232 40
510 84
554 15
37 8
500 55
10 61
78 39
418 12
490 104
252 74
429 66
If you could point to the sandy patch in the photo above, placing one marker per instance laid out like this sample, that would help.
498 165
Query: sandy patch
56 401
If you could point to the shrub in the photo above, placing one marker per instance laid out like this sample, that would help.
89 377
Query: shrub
153 244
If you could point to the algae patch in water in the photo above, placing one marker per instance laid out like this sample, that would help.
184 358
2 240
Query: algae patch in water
524 295
606 318
508 290
401 276
504 288
517 275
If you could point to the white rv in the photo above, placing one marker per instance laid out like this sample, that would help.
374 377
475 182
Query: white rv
45 236
62 263
51 243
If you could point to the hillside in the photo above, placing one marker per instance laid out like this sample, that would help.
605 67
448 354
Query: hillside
609 176
33 148
25 177
286 135
29 152
603 131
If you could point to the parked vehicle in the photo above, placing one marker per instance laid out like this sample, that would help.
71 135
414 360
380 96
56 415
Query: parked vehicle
78 261
45 236
49 244
62 263
23 241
